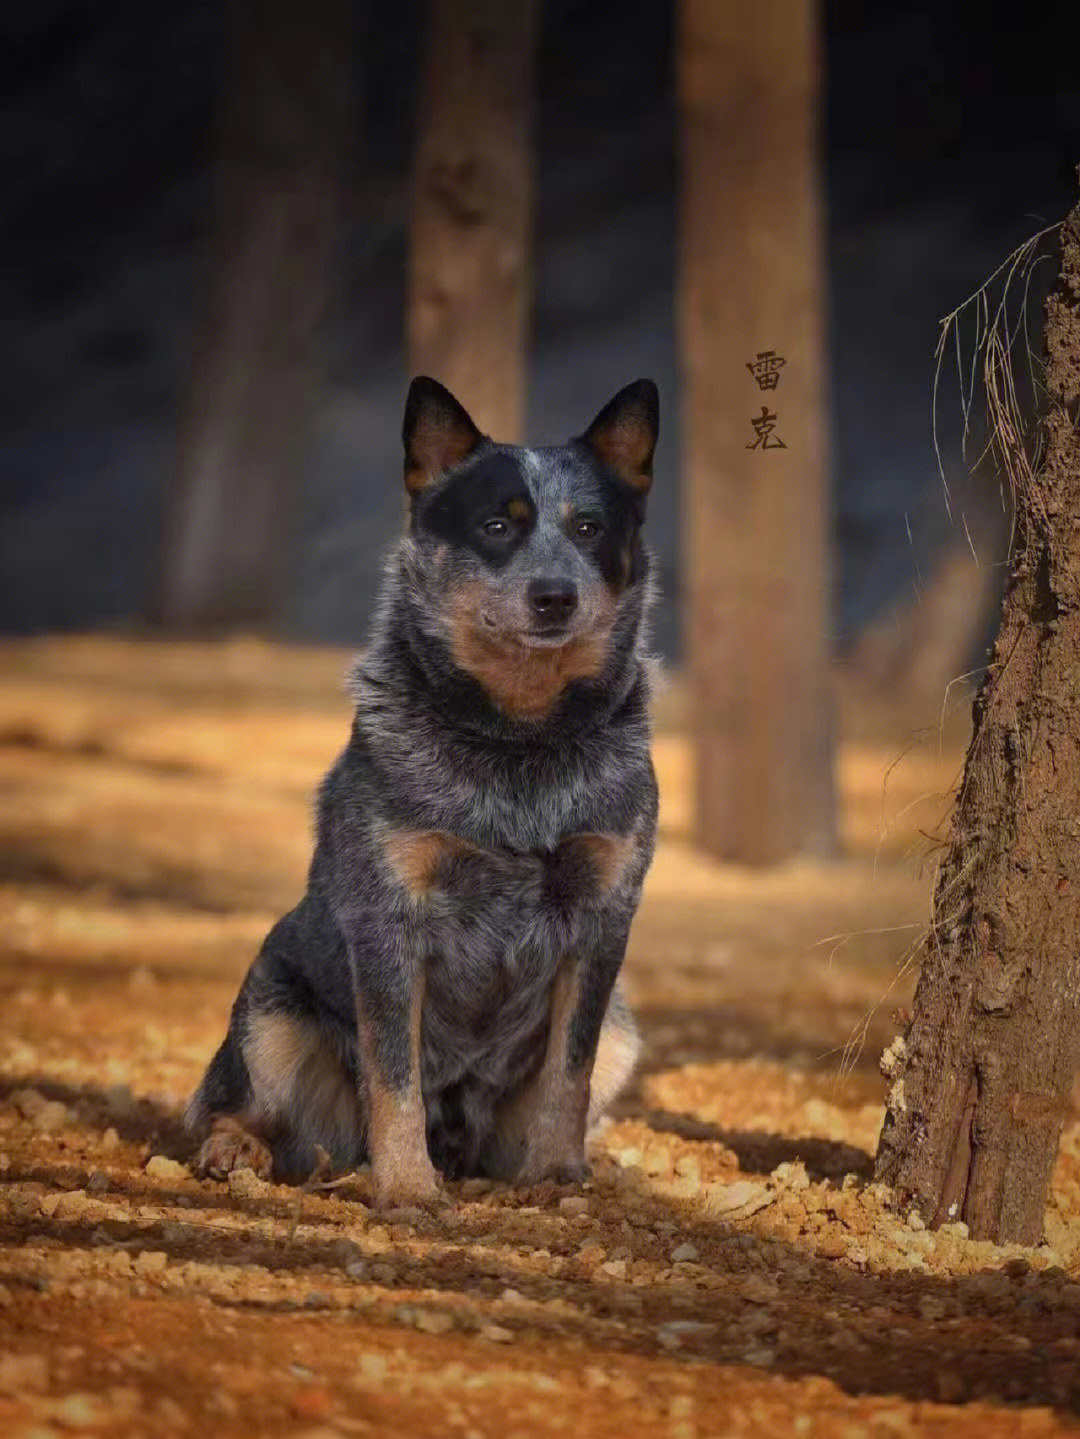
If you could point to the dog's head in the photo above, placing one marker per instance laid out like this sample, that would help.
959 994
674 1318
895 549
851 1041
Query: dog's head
528 555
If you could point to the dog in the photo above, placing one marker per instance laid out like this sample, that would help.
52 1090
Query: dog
443 999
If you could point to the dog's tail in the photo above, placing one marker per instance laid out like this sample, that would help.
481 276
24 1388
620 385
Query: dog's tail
616 1054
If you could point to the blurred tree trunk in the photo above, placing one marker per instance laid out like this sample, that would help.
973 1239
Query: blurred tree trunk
757 552
285 140
983 1078
470 272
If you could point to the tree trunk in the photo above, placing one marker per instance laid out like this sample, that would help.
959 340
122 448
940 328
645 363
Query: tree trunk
757 555
285 139
470 275
984 1075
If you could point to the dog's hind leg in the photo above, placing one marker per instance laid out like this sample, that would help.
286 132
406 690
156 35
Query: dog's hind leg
216 1117
277 1091
305 1095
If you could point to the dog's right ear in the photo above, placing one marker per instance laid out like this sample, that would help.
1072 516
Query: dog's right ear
437 432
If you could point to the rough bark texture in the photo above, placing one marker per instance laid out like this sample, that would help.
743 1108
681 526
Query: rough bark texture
984 1076
470 272
756 520
284 139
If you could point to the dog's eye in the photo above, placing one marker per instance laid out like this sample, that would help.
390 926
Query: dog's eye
496 529
586 529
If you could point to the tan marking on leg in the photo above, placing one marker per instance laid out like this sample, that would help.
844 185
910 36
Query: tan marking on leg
228 1147
541 1133
301 1084
419 857
397 1123
523 682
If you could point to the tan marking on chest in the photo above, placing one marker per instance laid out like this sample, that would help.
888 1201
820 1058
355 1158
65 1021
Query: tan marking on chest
419 858
607 855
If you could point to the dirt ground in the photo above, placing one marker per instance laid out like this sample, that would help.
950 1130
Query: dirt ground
730 1270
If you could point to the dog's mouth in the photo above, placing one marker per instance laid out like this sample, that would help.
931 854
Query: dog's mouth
552 637
545 637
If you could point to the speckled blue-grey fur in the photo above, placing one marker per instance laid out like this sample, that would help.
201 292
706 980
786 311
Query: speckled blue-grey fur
432 751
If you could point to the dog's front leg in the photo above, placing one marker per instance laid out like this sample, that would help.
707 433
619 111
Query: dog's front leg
389 987
544 1129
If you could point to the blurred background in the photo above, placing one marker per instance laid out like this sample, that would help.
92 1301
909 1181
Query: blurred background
234 230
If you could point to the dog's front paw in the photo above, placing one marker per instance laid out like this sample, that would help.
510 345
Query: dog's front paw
407 1186
540 1166
228 1147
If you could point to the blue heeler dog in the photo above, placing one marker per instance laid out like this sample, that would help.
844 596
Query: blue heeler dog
443 998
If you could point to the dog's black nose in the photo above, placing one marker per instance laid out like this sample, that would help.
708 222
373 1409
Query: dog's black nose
553 601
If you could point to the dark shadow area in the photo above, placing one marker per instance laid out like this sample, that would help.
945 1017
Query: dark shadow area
759 1153
48 859
709 1034
137 1118
24 738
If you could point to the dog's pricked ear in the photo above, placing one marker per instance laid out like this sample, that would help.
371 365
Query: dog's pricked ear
437 432
623 435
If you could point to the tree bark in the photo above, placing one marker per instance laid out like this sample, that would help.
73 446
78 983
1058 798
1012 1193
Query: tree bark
757 550
470 271
284 140
984 1075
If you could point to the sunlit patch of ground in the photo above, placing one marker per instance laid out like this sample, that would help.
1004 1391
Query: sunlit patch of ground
730 1269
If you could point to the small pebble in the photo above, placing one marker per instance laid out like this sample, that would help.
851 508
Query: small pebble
246 1184
78 1411
373 1366
151 1261
675 1333
656 1160
759 1289
159 1166
496 1333
685 1254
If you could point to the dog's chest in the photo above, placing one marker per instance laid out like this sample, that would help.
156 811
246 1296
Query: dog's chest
497 922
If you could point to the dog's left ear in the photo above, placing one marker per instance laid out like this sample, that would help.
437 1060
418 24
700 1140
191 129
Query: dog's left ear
623 435
437 433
